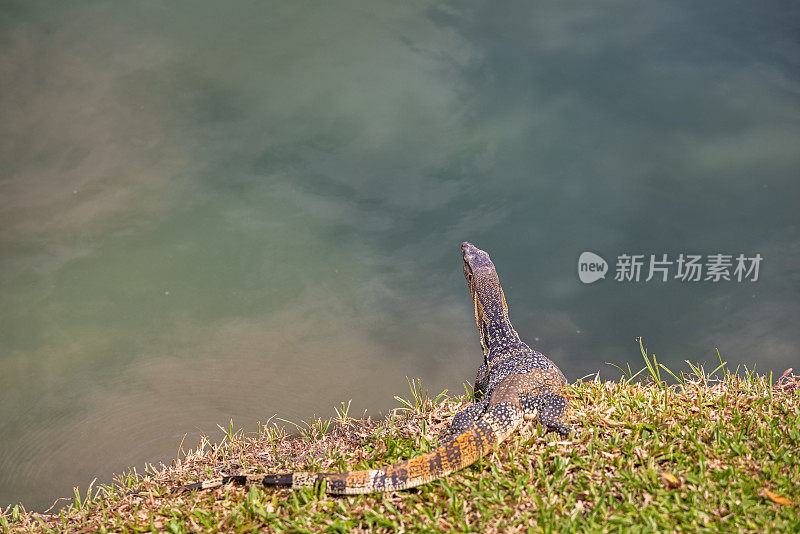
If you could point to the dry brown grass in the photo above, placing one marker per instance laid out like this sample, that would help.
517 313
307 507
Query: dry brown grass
704 455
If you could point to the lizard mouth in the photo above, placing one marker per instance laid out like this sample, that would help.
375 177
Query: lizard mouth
476 262
468 250
468 254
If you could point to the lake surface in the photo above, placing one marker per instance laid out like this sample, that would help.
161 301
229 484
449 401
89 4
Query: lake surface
214 211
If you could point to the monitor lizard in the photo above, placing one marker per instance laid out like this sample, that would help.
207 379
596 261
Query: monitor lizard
514 383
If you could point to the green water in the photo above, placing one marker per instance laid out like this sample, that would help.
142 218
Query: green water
234 210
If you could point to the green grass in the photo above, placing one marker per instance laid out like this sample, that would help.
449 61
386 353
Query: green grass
710 452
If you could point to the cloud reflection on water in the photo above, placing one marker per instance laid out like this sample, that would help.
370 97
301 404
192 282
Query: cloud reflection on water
193 197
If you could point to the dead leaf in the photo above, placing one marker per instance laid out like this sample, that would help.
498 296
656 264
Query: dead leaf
669 480
779 499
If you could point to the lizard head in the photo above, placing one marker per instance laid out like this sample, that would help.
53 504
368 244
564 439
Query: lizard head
484 287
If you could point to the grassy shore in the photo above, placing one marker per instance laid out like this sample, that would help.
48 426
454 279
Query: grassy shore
711 452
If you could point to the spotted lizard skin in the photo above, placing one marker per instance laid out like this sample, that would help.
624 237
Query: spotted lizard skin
514 383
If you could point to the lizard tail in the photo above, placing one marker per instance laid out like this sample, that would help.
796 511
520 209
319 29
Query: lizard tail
273 481
463 450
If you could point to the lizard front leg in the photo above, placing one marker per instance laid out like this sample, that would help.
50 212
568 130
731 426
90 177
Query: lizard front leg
549 408
464 420
481 382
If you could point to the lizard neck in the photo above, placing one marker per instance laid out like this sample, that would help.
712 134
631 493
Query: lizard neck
497 336
491 310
